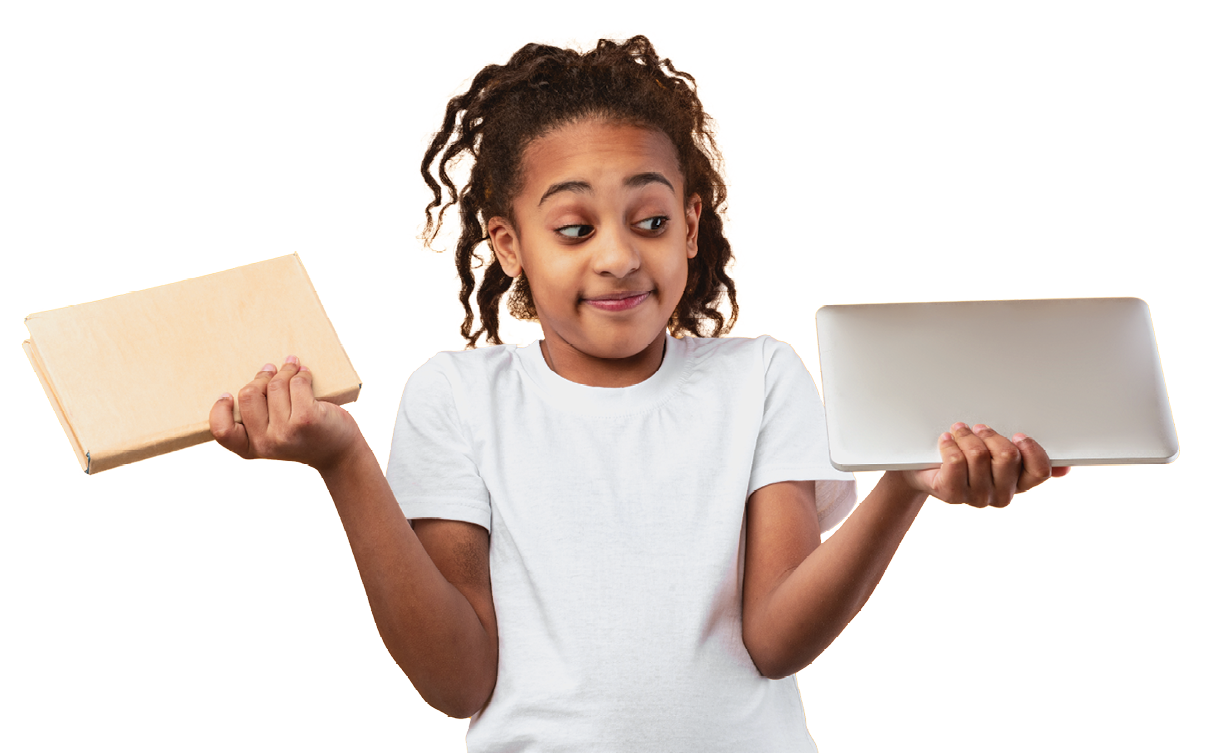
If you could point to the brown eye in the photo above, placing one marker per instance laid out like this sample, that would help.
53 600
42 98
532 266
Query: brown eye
575 231
652 224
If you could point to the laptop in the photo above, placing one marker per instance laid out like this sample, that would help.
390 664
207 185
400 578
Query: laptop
1081 376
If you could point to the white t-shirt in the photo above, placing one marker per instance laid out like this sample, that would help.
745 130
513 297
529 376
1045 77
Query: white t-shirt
616 523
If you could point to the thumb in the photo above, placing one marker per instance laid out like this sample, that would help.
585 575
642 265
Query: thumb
227 432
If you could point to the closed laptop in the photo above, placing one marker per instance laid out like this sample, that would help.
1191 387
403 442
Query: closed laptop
1081 376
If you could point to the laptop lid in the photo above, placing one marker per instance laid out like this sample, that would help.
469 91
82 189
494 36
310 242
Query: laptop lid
1081 376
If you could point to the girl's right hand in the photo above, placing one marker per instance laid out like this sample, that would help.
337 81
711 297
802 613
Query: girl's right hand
282 420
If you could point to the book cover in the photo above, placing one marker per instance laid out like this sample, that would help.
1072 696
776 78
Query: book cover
135 375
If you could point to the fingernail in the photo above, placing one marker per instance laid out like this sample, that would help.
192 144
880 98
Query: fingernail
225 396
304 368
946 437
269 367
959 425
292 359
1019 437
979 427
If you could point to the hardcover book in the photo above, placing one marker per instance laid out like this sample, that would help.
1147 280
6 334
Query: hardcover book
136 375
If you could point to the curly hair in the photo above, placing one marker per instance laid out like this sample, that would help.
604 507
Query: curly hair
540 89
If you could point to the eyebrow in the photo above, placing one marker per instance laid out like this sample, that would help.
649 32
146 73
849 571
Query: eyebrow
581 186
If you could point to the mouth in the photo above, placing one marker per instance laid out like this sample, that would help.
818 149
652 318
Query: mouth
622 301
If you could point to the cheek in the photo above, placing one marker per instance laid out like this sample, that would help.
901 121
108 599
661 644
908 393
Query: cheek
677 276
552 288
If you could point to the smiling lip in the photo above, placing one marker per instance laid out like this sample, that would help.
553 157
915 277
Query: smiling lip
618 301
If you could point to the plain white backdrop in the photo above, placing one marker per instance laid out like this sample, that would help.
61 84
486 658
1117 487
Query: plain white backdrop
876 151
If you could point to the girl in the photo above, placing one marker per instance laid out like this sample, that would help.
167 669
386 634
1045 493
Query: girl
609 539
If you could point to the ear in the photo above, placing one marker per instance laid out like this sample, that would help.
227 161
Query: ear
505 243
692 219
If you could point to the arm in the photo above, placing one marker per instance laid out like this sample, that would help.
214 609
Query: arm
429 590
799 593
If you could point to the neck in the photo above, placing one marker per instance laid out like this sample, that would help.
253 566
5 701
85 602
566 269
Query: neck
581 368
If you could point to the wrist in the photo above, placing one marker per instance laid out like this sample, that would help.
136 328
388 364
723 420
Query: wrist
902 486
346 460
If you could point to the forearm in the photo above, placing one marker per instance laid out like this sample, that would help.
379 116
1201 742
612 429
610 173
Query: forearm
429 627
809 608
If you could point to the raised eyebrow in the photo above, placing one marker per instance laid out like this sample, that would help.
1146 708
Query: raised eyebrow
579 186
643 179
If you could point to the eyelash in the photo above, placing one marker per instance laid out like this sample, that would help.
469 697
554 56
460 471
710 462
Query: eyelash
661 219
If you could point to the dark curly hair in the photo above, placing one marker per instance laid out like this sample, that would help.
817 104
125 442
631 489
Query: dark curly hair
540 89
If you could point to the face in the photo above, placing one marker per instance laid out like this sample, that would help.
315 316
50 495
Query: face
604 232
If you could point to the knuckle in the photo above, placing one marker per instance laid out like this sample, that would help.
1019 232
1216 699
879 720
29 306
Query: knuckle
1007 456
249 392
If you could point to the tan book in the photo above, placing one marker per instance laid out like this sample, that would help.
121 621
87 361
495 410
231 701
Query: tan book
136 375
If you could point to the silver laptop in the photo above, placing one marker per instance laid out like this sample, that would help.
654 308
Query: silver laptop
1081 376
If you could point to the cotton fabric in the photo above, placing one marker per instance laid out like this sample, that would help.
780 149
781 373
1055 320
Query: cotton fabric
616 520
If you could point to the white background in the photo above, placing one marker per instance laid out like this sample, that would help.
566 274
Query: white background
875 152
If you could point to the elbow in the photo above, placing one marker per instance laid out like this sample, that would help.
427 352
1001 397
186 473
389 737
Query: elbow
767 661
778 670
464 711
776 660
458 703
772 673
459 690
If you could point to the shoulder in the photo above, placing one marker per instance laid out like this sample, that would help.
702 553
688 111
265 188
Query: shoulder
463 367
471 361
764 352
459 383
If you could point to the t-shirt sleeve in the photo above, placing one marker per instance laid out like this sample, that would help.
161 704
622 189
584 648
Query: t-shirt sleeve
793 441
431 465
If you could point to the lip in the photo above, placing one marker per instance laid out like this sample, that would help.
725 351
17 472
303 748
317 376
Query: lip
622 301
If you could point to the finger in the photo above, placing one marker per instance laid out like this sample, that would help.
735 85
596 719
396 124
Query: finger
278 393
1006 463
1060 470
1036 467
227 432
252 399
980 473
952 482
302 392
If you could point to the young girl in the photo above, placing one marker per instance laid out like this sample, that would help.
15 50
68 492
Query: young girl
608 539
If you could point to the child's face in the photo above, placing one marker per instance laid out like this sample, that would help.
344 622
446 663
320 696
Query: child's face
604 234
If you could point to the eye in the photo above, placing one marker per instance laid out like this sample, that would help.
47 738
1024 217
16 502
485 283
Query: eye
575 231
652 224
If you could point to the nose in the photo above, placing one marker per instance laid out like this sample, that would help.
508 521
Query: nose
615 254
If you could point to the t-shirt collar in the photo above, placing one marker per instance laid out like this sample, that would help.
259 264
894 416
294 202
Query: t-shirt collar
604 401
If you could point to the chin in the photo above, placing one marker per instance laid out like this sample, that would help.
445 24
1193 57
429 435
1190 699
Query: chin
628 345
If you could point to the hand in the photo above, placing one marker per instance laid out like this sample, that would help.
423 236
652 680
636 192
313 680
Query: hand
282 420
982 468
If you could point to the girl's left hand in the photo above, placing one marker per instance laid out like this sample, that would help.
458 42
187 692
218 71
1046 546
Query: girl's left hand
982 468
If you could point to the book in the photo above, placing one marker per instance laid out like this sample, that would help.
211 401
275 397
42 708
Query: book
136 375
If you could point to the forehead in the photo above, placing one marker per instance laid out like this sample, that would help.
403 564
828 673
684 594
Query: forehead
594 150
